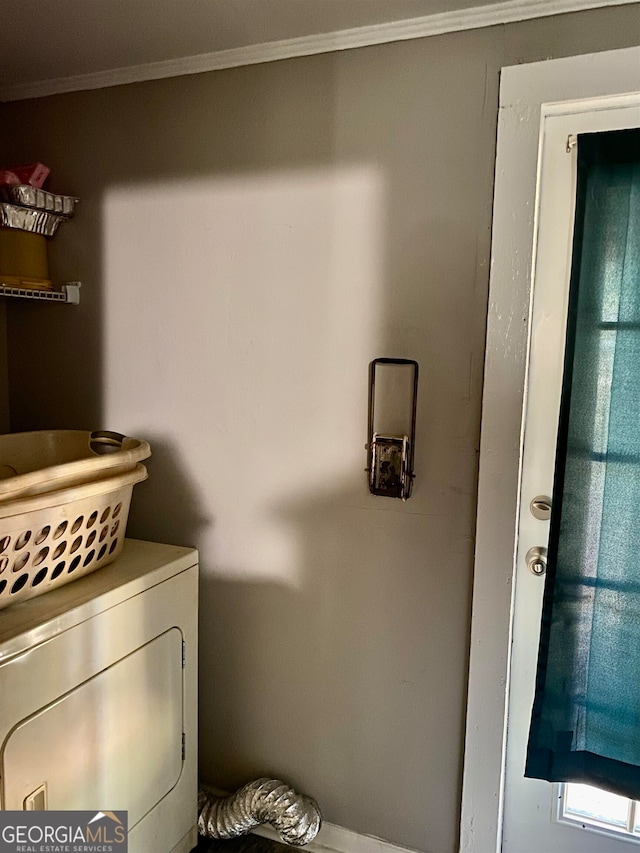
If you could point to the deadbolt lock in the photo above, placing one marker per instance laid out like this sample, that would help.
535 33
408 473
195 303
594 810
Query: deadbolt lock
541 508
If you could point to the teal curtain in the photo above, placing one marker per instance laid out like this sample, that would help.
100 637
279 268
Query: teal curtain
585 724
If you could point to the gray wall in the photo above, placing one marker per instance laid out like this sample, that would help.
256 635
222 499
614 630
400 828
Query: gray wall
248 240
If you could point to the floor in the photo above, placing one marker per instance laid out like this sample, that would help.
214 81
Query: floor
242 844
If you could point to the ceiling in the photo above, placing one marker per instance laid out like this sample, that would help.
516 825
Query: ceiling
82 43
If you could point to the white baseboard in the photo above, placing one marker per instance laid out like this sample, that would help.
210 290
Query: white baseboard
337 839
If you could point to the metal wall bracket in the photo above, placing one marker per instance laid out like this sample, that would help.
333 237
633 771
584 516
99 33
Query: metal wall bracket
390 457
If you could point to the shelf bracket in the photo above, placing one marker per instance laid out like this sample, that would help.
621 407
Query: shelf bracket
72 290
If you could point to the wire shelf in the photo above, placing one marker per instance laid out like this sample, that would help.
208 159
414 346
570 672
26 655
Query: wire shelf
70 293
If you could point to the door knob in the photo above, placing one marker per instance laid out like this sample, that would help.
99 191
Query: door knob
537 560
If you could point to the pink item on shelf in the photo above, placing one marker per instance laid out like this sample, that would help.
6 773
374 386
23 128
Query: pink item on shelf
34 175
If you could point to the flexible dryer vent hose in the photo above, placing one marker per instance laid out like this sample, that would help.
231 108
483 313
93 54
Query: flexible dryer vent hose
294 816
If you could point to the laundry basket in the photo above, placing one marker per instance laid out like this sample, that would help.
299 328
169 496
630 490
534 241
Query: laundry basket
33 463
49 539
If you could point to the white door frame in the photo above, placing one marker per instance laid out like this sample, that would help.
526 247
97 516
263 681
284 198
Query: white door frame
527 94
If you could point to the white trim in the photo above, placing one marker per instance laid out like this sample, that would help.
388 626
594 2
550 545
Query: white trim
336 839
527 93
508 11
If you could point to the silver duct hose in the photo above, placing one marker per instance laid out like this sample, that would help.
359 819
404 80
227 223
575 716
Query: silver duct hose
294 816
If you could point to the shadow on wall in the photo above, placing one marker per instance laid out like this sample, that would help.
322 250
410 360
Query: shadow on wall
166 507
333 679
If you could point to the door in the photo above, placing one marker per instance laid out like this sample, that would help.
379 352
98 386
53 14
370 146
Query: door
531 823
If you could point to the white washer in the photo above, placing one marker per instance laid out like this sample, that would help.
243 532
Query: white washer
98 696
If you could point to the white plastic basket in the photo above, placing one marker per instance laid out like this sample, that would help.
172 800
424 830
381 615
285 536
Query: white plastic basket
50 539
33 463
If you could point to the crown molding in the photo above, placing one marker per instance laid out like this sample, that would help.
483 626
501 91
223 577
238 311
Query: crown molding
506 12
